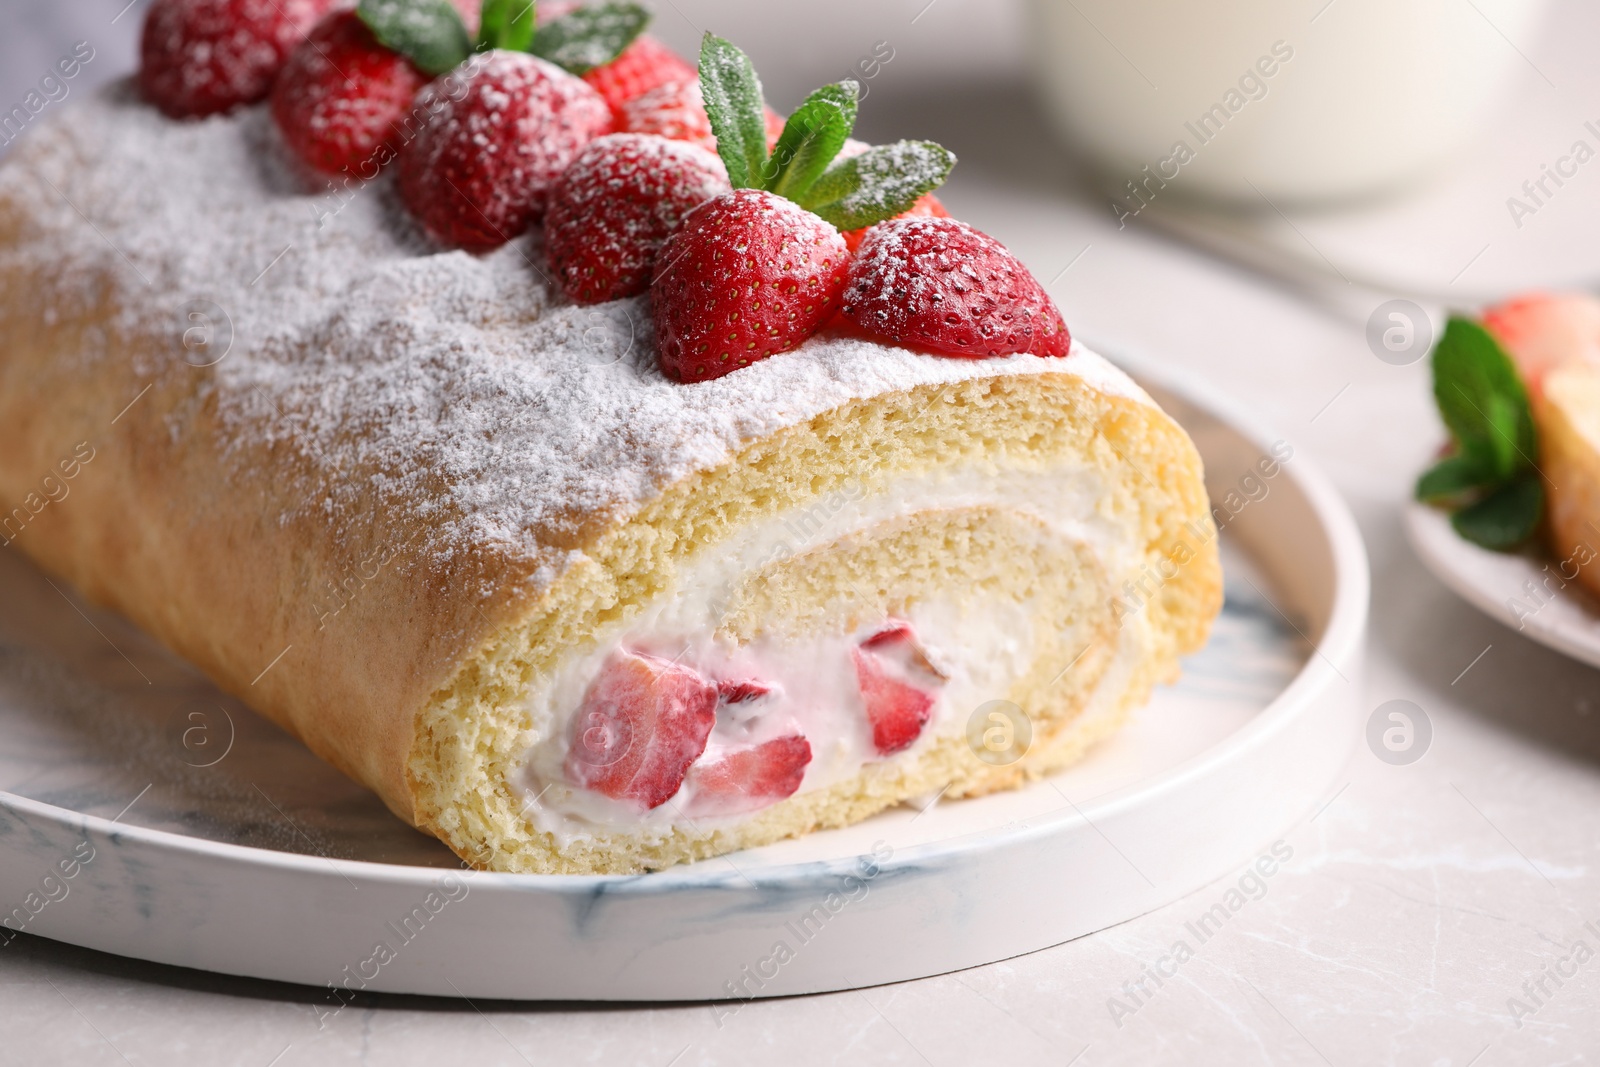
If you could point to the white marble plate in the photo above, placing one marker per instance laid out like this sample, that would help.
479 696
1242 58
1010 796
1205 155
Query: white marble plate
1523 590
146 814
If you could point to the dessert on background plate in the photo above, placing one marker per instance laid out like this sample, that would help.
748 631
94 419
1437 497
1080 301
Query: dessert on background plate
605 484
1520 393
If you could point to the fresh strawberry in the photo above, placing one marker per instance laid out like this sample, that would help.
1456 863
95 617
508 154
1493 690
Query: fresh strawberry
898 632
199 57
614 207
1541 331
748 275
502 129
642 723
747 779
898 644
941 285
677 110
897 710
644 65
742 692
342 97
926 207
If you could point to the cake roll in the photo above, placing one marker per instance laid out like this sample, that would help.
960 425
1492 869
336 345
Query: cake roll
465 541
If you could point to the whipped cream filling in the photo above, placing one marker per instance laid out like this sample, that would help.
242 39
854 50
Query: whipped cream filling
980 647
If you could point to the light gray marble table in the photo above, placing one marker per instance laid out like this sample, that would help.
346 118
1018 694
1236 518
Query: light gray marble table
1422 904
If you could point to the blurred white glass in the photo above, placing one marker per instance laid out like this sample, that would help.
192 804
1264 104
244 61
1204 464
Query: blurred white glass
1302 103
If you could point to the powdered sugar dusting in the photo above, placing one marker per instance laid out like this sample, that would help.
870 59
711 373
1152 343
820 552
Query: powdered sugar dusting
485 412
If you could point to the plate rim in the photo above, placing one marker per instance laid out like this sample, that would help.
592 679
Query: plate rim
1421 524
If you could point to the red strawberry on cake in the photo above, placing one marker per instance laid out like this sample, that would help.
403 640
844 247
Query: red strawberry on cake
939 284
614 207
757 271
899 686
342 97
479 146
479 173
749 275
347 96
677 109
201 57
646 65
1543 331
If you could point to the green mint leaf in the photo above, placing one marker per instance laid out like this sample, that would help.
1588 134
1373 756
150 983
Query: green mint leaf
506 24
1505 518
735 107
811 138
1481 398
430 33
1504 433
1453 477
878 184
591 36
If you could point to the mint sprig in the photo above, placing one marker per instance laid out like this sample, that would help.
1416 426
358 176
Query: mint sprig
1489 478
591 36
735 106
880 183
803 166
431 34
507 24
811 139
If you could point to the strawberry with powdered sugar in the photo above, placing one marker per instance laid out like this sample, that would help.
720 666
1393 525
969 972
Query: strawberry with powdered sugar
486 139
202 57
614 207
342 96
749 275
478 174
758 270
644 65
677 110
939 284
345 99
